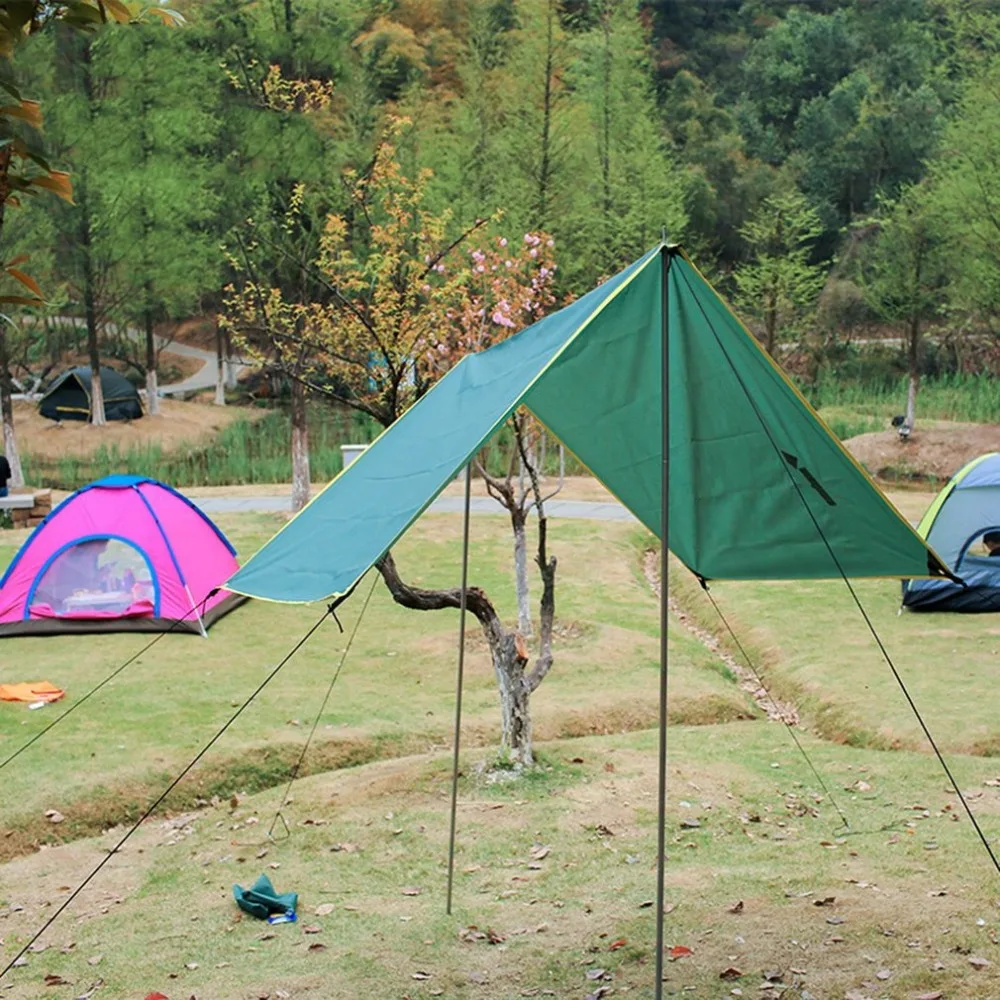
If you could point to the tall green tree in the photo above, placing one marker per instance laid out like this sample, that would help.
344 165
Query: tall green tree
904 278
539 150
966 194
167 183
636 188
779 284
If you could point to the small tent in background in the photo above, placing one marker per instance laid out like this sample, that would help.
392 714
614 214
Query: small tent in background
966 510
122 554
68 397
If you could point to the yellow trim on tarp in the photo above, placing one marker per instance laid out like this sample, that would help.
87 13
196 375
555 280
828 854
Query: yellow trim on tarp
653 255
805 402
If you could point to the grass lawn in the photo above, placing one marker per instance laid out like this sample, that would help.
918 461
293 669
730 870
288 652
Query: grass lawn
556 871
818 653
394 696
556 868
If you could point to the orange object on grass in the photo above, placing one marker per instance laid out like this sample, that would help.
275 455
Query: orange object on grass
31 691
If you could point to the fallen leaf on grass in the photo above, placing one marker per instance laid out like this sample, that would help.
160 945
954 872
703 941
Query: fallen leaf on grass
645 903
979 963
54 980
91 990
603 831
156 996
936 995
324 909
94 959
680 951
825 901
594 974
856 995
835 920
731 973
411 891
312 929
539 852
884 974
191 965
317 946
615 945
737 907
346 848
54 816
421 975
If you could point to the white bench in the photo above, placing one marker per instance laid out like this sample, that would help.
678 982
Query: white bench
18 501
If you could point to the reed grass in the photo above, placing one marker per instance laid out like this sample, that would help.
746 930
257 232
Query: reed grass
961 397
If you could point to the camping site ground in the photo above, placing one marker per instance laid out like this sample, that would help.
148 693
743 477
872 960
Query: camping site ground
768 894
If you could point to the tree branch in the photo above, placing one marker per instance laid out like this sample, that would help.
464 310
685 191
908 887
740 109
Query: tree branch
419 599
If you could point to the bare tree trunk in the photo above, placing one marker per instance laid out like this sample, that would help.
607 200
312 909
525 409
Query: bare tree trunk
220 372
7 408
545 168
231 382
914 365
300 447
97 414
517 520
6 403
152 380
770 324
507 651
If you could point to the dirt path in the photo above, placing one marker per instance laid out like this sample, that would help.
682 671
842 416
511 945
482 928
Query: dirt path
749 680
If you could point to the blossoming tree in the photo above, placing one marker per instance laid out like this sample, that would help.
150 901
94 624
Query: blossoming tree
404 301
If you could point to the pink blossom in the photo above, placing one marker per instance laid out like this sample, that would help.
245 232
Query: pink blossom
508 263
426 288
532 252
503 241
551 243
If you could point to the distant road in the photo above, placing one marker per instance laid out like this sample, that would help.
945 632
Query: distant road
203 378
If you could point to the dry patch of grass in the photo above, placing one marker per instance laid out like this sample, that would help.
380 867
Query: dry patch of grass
179 425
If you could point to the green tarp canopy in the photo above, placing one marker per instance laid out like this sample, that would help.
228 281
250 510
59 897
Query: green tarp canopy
759 487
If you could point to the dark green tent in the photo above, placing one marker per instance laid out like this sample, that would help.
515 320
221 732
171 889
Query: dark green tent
68 397
761 489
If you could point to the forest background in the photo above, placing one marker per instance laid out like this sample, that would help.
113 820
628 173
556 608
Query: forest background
834 166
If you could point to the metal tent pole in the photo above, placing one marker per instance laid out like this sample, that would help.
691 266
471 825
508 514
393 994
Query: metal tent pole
194 606
458 681
661 839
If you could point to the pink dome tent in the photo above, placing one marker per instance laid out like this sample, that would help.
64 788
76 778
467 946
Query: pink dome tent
122 554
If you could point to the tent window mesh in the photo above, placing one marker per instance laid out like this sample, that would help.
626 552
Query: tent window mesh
99 575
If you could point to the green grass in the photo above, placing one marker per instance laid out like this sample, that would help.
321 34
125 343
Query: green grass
111 754
163 918
247 451
817 652
250 451
958 397
161 914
